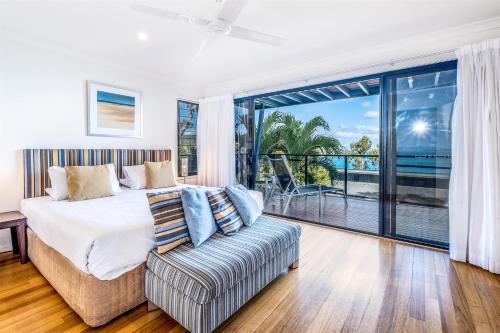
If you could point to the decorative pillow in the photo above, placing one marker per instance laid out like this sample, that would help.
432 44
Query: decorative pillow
51 193
170 225
199 218
136 176
115 185
88 182
259 199
159 174
125 182
59 187
225 214
246 206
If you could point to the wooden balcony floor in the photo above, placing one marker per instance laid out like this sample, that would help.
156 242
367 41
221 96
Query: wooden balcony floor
428 223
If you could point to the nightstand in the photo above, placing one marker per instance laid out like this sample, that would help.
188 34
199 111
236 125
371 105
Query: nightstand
190 180
17 224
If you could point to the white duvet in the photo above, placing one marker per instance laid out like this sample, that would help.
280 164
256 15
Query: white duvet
104 237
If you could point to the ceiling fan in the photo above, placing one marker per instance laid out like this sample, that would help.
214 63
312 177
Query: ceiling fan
221 25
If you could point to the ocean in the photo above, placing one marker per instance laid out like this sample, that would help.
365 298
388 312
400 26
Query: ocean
422 163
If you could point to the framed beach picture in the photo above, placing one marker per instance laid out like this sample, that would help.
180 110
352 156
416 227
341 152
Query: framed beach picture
113 111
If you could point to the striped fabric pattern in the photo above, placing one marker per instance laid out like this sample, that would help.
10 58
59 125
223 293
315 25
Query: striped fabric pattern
222 261
225 213
170 225
38 161
201 287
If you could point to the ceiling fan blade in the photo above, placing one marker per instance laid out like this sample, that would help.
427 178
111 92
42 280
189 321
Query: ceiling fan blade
255 36
204 44
169 14
231 9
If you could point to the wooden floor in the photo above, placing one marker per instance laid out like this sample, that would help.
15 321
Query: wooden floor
346 282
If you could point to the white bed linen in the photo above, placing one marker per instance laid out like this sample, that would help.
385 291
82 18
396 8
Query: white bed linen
104 237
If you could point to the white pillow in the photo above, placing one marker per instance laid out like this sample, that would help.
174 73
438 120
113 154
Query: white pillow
59 187
51 193
125 182
135 176
115 185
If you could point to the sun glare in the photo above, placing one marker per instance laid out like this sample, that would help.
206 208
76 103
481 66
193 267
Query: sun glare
420 127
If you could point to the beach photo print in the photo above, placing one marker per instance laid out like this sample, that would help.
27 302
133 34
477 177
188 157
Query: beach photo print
113 111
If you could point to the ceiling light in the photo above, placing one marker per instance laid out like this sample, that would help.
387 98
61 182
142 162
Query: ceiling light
143 36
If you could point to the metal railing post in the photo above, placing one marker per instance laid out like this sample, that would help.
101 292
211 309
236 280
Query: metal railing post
345 174
306 173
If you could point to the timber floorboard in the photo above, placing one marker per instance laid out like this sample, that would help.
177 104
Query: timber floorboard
345 282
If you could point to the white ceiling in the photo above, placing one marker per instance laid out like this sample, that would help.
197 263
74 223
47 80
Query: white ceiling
314 30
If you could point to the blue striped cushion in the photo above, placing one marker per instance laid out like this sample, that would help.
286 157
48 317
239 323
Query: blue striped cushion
170 225
225 214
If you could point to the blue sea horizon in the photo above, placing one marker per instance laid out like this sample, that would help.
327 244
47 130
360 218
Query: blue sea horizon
420 164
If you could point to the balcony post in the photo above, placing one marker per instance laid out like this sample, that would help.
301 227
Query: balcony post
306 173
345 174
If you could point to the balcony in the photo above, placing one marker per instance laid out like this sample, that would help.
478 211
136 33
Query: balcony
420 203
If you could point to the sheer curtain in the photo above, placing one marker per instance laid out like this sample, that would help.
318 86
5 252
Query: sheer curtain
215 141
475 176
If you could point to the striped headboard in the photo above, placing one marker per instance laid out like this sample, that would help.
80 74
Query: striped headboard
38 161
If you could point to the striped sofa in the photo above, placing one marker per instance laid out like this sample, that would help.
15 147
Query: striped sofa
202 287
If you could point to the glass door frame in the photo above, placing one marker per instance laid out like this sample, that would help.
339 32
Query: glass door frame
387 215
385 183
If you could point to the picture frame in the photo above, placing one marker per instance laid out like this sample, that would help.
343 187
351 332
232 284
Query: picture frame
113 111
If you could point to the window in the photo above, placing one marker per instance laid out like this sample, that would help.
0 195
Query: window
186 129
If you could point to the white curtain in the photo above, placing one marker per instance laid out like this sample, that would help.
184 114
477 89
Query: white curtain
475 176
215 141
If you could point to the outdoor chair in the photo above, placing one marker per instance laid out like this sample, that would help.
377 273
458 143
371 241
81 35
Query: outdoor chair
283 178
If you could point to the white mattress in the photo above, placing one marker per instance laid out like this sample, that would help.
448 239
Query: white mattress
104 237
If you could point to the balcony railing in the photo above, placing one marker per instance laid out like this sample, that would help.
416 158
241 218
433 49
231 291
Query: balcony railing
420 179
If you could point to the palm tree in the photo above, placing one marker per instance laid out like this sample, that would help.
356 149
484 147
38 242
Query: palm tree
271 126
283 133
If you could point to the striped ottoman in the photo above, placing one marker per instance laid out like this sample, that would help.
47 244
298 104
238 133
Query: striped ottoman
201 287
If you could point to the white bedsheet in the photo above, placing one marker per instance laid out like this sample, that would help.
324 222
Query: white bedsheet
104 237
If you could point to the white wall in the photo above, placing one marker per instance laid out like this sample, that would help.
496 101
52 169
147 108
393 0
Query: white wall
433 47
43 105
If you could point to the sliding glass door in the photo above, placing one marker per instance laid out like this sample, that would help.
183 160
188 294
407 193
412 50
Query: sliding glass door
383 140
419 107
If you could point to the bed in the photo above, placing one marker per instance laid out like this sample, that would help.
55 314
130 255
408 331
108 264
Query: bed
103 237
92 252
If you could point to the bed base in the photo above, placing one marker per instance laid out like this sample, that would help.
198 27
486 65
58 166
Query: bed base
96 301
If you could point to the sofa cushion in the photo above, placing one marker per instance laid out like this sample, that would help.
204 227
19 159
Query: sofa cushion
245 204
225 213
170 227
199 218
205 272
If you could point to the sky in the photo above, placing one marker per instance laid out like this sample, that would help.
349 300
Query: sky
103 96
349 119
